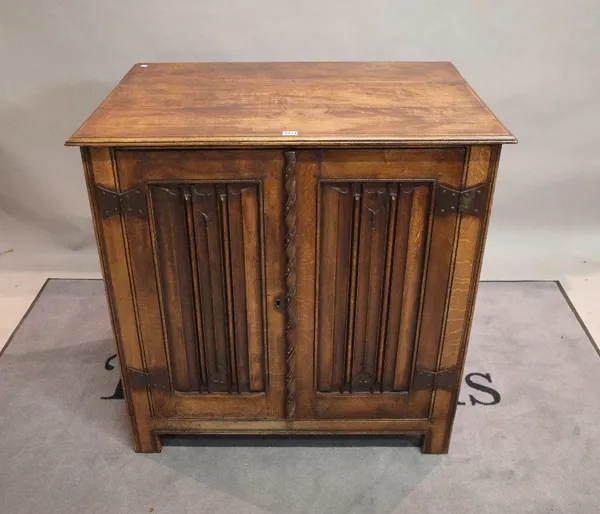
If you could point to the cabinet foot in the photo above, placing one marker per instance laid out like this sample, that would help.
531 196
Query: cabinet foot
435 442
149 443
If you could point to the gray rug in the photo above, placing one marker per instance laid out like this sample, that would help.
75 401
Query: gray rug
526 435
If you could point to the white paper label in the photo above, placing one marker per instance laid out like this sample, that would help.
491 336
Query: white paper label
289 133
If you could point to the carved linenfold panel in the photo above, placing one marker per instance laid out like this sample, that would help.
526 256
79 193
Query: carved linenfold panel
369 284
176 285
246 271
406 279
334 282
212 292
373 235
208 233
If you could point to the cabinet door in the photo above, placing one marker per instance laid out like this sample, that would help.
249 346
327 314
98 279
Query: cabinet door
205 268
373 270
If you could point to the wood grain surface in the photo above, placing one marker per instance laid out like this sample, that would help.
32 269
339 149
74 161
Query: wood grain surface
204 104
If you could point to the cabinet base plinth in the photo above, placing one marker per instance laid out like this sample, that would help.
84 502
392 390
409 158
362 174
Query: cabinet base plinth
334 428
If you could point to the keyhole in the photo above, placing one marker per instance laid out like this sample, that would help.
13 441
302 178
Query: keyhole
278 303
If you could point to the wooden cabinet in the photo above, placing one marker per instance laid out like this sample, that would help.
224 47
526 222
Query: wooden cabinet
319 280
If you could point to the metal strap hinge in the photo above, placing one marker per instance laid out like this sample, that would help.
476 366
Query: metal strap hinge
131 202
446 379
471 201
158 379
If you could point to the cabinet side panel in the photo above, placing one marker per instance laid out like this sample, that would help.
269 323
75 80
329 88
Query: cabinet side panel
481 168
100 171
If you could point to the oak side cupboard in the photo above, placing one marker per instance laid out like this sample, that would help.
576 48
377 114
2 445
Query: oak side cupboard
291 248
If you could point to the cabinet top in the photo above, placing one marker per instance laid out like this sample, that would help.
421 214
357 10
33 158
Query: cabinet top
291 104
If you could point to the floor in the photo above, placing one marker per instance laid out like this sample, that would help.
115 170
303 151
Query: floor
522 441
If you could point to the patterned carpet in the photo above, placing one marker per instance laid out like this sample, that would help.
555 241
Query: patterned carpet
525 440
